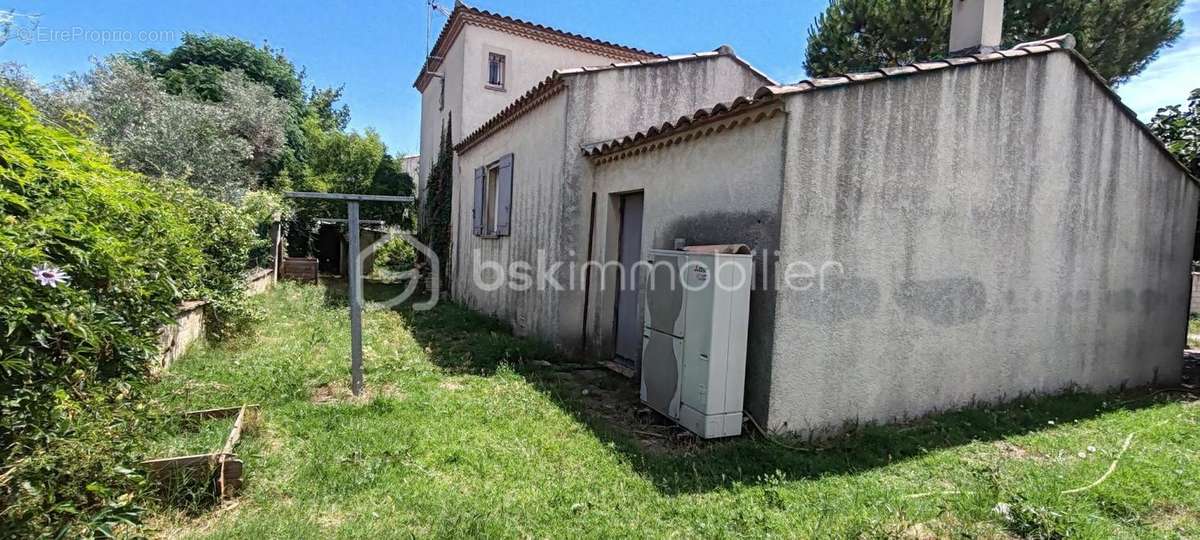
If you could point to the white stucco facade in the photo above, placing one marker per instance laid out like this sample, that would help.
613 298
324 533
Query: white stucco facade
529 58
553 185
980 228
989 232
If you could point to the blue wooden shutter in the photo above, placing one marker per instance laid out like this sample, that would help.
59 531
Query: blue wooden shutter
477 210
504 195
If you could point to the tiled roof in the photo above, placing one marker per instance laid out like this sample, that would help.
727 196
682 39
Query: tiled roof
552 84
464 14
768 94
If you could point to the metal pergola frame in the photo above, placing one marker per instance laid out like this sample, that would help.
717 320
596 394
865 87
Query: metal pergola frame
355 271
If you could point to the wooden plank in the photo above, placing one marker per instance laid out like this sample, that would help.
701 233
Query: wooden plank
230 479
219 412
235 434
300 268
355 197
620 369
167 464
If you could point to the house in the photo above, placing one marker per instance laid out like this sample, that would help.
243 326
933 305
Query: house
927 236
411 165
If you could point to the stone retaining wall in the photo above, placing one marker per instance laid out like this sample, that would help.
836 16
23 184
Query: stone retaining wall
175 338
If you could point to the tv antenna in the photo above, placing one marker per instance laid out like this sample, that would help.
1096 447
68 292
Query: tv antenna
433 6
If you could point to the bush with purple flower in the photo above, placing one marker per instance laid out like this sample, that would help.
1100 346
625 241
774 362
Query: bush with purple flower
49 276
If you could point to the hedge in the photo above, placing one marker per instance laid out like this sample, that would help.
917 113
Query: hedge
72 351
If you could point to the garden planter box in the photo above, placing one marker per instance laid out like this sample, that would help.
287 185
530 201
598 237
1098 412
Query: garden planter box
299 268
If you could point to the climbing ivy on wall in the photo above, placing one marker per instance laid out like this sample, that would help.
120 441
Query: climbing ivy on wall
435 227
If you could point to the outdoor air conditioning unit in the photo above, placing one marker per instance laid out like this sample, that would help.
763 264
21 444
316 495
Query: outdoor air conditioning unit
694 338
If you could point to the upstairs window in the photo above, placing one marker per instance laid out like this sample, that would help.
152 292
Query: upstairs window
495 70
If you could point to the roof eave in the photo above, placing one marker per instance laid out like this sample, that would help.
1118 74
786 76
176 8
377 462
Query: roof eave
464 14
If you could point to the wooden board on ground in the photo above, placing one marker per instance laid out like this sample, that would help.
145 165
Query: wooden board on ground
223 467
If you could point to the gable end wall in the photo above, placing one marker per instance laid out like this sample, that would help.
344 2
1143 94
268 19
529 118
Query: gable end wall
1004 229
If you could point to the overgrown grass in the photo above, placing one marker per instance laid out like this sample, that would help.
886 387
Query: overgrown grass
467 432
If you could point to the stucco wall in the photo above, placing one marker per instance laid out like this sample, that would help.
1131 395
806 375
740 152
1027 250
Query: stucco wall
528 61
535 140
465 67
433 119
1004 229
552 181
613 103
721 189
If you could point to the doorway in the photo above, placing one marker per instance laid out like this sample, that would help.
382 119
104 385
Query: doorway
329 249
628 324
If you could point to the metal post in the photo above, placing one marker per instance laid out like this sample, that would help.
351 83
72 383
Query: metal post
355 269
356 376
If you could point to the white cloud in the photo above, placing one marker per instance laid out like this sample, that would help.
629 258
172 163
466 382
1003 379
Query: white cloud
1170 79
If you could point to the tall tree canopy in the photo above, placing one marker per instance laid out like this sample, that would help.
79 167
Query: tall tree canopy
1179 127
1119 37
196 65
319 153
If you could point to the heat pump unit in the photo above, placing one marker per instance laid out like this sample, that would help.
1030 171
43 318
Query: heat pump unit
694 338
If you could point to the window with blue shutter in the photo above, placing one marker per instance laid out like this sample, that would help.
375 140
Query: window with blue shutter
492 213
504 194
477 209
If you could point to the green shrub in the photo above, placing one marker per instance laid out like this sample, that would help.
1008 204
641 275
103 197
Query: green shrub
395 255
228 239
63 203
71 353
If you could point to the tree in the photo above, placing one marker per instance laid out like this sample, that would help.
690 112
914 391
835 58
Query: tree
219 148
60 104
390 179
196 65
1179 128
1119 37
340 161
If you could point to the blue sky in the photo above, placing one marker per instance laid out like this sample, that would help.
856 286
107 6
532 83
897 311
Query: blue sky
376 48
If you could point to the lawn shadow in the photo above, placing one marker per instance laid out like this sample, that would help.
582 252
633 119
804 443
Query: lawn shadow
462 341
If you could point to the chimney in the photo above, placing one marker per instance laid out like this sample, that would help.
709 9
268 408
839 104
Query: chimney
975 26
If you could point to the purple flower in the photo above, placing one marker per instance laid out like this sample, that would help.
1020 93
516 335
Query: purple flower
49 275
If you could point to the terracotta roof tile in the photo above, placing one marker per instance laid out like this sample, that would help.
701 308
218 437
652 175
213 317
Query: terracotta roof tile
867 76
769 93
931 66
534 95
464 14
892 71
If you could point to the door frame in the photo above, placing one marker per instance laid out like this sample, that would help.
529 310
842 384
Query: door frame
621 199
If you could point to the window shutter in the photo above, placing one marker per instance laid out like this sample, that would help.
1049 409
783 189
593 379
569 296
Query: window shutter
477 210
504 194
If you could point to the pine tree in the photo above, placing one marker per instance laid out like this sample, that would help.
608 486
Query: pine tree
1119 37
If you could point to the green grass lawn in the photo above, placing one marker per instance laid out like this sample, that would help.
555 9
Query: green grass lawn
467 431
